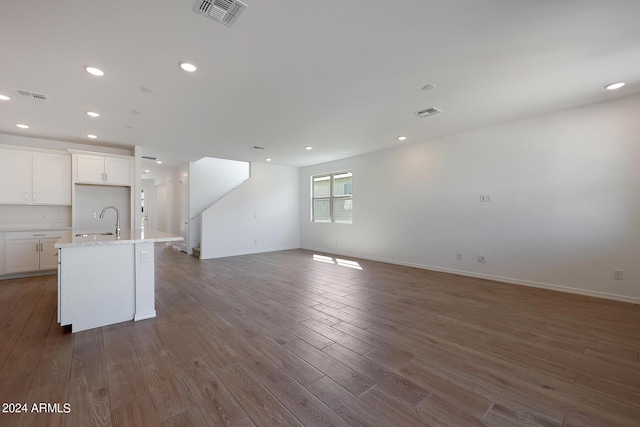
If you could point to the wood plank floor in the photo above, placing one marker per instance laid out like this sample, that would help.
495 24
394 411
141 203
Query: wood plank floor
286 338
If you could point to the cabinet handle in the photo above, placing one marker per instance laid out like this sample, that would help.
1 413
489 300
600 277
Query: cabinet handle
106 177
41 247
37 247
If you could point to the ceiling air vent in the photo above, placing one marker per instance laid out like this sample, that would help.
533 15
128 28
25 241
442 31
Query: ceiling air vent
427 112
149 158
224 11
32 95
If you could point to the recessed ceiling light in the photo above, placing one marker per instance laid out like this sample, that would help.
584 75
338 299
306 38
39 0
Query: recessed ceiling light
614 86
147 171
187 66
268 160
93 114
402 138
22 126
4 97
95 71
308 147
92 136
159 162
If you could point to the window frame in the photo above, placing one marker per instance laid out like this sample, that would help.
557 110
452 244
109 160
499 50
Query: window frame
332 197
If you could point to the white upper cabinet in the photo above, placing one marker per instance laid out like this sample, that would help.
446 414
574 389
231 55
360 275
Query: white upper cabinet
51 179
34 178
118 171
15 176
108 170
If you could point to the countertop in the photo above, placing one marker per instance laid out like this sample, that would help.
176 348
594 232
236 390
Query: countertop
20 228
127 237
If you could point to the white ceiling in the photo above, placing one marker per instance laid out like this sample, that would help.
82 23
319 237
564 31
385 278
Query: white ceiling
342 76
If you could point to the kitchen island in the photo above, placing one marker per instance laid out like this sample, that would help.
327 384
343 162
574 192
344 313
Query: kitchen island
105 279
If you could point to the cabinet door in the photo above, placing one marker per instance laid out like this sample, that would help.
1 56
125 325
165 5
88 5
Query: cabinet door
118 171
15 176
22 255
48 254
51 179
90 169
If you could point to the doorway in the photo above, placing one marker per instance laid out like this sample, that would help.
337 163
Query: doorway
184 212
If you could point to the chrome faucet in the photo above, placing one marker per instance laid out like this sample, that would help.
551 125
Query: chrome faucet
117 217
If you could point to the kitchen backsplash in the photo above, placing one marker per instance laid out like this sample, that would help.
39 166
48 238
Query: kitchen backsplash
16 218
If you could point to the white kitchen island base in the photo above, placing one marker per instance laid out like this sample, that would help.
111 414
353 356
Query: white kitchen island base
104 280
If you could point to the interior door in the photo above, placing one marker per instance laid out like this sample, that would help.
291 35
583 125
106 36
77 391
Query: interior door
184 212
144 206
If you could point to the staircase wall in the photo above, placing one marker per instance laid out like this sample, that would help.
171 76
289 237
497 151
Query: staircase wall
210 179
261 215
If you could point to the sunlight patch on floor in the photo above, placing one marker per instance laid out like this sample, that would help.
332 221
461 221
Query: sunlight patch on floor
341 262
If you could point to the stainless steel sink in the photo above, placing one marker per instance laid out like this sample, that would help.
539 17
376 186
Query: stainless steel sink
108 233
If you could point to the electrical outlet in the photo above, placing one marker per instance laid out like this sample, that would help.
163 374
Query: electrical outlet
144 256
482 259
483 198
95 215
459 257
487 198
618 274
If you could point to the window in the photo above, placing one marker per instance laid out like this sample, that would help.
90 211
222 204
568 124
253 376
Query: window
332 197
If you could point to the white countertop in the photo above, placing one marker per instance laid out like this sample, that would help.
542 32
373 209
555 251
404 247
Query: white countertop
18 228
71 240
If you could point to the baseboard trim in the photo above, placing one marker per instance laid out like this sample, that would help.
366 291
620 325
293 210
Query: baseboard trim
230 254
144 316
27 274
509 280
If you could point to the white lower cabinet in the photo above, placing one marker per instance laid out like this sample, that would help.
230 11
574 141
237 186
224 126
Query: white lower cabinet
30 251
21 255
48 254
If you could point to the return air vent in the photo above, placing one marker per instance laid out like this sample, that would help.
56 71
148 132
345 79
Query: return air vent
427 112
257 147
224 11
149 157
32 95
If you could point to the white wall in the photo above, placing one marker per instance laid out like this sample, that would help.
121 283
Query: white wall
211 178
565 211
260 215
167 189
162 208
91 199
